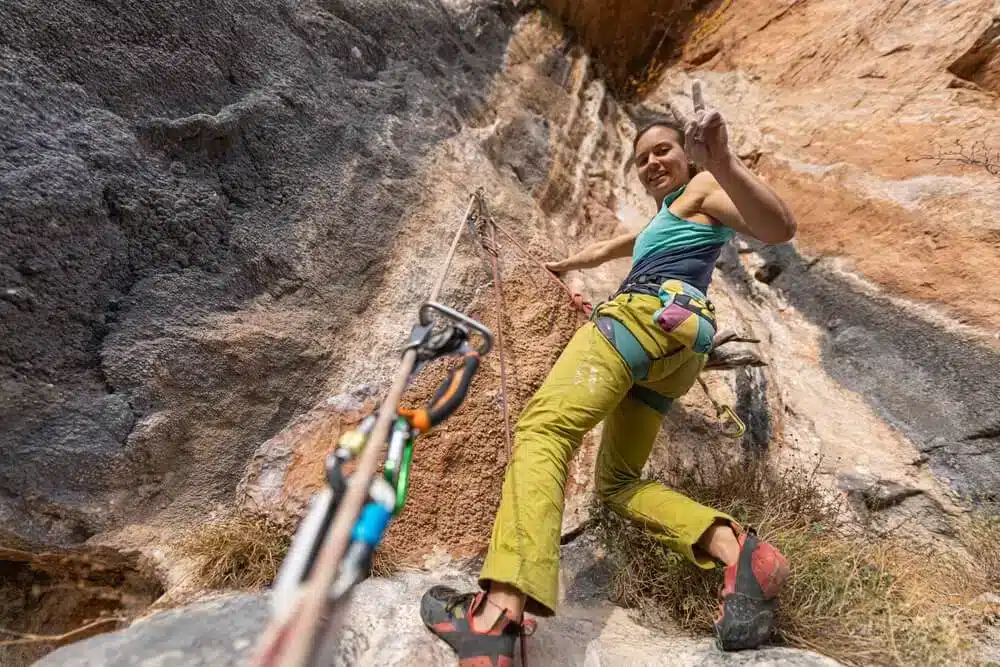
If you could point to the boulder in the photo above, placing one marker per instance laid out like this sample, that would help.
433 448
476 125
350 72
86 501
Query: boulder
382 627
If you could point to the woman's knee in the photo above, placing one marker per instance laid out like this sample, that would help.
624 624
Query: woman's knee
614 484
540 450
546 426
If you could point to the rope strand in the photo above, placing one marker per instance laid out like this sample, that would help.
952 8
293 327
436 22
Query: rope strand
294 641
575 298
491 247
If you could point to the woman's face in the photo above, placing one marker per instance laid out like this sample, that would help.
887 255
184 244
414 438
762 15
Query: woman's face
661 162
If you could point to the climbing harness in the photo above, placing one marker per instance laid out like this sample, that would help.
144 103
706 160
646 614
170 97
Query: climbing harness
636 357
334 543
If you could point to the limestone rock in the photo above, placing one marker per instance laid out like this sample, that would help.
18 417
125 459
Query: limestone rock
382 627
196 198
522 146
191 266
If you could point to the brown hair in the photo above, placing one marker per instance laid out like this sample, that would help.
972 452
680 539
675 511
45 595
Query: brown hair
670 123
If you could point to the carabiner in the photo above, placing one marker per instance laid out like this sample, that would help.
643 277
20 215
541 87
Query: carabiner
455 316
729 417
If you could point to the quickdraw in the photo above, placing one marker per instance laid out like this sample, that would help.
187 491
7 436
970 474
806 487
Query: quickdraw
732 425
387 495
334 544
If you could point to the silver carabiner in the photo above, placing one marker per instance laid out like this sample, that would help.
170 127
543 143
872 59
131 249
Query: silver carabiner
451 313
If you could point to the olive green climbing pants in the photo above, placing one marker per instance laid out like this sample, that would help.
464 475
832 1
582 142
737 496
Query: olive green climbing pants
592 381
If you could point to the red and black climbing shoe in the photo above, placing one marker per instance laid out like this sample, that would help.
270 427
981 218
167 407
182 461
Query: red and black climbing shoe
447 613
746 614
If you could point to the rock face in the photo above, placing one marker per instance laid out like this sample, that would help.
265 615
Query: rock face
222 217
49 593
857 120
525 164
196 197
382 627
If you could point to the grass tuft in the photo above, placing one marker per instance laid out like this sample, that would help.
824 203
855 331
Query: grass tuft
240 551
244 552
860 599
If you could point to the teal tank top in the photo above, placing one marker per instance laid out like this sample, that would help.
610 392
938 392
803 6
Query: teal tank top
666 231
672 248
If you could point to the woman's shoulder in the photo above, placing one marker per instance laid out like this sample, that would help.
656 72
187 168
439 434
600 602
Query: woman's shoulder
702 184
689 203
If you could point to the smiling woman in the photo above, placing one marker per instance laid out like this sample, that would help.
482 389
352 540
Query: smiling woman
643 349
683 243
664 139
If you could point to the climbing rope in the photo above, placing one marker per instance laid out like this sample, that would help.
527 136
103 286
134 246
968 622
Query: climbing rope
487 235
486 232
346 521
575 298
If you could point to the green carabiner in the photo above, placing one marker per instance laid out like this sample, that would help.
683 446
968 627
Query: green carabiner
403 479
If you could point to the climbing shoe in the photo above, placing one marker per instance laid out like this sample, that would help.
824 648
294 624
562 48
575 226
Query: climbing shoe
448 614
746 613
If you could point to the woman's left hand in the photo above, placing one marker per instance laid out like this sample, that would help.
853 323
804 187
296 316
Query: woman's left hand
706 140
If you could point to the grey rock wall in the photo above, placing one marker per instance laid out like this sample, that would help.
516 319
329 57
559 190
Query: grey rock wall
193 198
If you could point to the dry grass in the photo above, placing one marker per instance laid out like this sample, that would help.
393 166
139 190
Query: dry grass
241 551
858 599
385 561
245 551
981 536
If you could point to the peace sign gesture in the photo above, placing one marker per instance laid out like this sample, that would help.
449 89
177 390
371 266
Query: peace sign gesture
706 140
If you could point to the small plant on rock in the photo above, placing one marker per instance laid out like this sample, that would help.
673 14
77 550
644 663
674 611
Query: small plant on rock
241 551
244 551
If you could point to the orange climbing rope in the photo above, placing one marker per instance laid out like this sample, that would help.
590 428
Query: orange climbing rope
487 237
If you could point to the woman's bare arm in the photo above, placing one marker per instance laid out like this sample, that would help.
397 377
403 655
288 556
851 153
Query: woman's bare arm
732 194
737 198
596 254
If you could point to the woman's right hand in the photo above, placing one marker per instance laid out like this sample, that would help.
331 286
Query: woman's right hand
595 254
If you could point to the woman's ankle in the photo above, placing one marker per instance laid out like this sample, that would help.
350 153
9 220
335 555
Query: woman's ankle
720 542
500 599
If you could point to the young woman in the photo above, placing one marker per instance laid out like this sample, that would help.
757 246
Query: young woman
641 350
